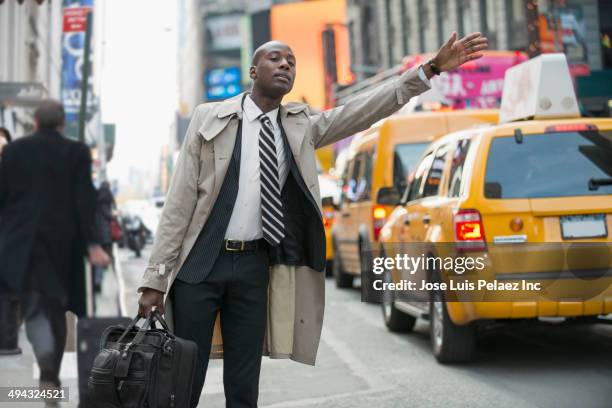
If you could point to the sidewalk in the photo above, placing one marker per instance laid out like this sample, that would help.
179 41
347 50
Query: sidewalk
22 371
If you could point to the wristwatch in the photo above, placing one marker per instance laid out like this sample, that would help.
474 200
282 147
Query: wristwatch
434 68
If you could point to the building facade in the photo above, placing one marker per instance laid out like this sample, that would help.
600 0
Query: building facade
382 32
30 59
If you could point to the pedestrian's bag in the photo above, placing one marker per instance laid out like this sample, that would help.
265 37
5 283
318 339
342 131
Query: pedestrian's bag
116 232
143 367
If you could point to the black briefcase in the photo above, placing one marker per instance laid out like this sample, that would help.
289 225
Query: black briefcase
143 367
89 333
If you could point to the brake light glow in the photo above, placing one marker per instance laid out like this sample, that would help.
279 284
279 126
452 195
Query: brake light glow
328 218
571 127
379 215
469 230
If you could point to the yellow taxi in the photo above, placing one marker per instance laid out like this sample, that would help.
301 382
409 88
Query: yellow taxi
384 156
530 197
330 196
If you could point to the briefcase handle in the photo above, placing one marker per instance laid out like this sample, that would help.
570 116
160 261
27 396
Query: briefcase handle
149 322
157 316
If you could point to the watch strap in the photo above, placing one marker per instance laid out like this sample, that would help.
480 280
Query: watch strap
434 67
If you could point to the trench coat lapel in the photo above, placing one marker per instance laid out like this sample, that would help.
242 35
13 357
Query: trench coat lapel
222 131
295 127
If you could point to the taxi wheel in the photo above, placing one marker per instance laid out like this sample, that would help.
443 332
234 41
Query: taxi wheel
329 268
343 279
369 295
395 320
451 343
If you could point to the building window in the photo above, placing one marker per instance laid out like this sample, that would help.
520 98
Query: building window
445 26
464 17
369 37
488 21
423 16
352 42
517 24
390 33
405 27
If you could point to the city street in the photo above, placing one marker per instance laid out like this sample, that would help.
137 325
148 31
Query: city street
361 364
456 150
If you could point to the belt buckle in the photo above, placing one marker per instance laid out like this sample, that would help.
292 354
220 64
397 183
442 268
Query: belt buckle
234 249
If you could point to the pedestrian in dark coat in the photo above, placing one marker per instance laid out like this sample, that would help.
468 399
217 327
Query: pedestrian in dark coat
104 213
47 206
104 217
9 303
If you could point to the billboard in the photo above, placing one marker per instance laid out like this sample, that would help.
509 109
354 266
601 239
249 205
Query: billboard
73 44
476 84
222 83
301 26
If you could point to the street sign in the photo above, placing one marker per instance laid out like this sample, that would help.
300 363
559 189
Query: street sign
75 19
22 93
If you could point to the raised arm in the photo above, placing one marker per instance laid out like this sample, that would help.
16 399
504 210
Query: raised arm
362 111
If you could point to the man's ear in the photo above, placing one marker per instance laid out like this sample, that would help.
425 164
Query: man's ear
253 72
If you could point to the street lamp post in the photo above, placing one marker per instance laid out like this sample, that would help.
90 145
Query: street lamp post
85 77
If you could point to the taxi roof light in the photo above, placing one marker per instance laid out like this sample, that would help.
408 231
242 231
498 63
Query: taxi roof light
539 88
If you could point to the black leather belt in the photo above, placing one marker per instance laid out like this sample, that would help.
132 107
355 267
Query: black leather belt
240 246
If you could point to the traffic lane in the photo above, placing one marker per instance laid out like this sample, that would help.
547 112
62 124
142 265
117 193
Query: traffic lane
361 365
562 365
556 365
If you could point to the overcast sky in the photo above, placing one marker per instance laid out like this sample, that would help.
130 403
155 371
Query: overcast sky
137 79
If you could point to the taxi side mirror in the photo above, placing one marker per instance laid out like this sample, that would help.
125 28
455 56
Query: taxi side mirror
328 202
388 196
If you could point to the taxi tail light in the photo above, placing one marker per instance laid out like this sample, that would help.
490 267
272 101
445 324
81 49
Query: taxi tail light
469 230
571 127
379 216
328 218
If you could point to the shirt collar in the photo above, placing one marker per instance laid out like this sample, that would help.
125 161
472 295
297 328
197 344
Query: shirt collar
252 111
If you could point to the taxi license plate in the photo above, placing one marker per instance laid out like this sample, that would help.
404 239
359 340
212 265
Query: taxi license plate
583 226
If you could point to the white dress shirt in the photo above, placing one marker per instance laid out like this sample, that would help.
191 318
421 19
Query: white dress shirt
245 222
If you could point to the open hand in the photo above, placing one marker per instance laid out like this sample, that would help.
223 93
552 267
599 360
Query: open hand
457 52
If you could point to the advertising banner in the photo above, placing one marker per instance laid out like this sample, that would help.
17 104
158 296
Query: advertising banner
73 44
477 84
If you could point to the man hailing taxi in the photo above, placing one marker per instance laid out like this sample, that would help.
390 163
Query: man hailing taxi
241 235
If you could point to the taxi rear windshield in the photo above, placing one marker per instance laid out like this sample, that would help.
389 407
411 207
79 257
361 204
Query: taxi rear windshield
550 165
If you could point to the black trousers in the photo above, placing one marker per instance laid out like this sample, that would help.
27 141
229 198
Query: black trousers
238 287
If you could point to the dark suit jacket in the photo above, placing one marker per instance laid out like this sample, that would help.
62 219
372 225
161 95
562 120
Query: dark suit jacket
47 208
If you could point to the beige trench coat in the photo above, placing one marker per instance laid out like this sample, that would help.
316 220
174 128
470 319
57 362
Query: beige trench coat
296 294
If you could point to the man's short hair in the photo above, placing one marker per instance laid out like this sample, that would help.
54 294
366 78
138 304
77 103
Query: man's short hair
49 114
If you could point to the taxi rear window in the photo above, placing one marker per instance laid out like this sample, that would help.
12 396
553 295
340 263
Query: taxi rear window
550 165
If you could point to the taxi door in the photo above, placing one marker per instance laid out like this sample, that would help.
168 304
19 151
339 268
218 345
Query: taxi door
412 227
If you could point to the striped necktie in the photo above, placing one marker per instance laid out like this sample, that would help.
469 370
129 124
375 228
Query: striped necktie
271 208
